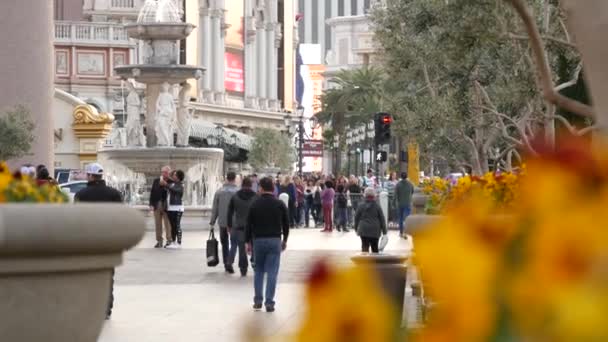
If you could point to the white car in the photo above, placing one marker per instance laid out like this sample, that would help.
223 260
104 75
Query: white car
71 188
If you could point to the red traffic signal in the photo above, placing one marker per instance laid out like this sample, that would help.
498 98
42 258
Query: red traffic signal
387 119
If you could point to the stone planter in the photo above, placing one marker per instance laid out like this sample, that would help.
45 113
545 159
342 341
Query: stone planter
420 222
56 263
419 203
392 272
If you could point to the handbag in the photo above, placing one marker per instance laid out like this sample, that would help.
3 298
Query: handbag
212 250
383 242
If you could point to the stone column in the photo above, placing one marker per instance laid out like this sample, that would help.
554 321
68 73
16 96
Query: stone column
262 64
347 8
271 70
152 91
26 68
250 57
205 55
215 43
219 63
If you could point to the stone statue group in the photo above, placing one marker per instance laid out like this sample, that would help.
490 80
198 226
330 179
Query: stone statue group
168 118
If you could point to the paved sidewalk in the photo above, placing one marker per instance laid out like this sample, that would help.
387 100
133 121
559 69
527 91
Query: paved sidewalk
171 295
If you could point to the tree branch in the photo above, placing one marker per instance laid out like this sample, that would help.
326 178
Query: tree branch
542 64
573 81
571 128
544 37
427 79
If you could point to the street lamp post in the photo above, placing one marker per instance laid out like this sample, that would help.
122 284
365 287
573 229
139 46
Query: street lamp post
299 128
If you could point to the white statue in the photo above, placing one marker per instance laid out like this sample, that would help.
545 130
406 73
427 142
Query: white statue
165 117
184 117
135 134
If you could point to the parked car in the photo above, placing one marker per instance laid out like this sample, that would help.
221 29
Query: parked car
71 188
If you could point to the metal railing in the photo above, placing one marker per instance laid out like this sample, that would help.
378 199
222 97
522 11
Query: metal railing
92 33
129 4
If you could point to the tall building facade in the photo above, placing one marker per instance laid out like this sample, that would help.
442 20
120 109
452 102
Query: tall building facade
342 30
246 46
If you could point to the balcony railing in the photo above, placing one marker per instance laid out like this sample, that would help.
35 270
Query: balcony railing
125 4
90 33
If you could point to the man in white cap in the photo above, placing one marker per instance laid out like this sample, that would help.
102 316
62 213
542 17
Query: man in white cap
98 191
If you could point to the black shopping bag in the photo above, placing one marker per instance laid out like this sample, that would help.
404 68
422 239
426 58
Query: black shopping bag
213 258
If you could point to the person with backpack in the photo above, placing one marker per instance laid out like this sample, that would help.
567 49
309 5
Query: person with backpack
238 211
341 208
404 192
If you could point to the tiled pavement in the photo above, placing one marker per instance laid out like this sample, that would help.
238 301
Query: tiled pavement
171 295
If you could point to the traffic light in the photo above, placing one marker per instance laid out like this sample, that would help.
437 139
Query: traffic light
382 125
381 156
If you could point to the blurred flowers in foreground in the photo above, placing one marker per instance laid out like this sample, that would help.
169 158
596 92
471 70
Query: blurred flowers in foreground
498 188
17 188
532 269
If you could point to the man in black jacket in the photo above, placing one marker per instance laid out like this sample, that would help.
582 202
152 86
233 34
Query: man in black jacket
98 191
267 221
158 205
238 211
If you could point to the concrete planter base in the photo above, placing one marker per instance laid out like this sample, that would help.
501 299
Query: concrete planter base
55 268
392 273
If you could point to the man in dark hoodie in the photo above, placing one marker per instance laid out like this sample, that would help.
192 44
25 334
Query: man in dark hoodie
238 211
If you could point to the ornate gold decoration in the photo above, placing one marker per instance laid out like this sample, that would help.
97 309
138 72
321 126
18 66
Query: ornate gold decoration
87 114
88 123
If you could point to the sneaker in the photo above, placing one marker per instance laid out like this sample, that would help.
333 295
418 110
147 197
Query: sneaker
269 308
159 244
346 230
243 273
257 307
169 243
229 269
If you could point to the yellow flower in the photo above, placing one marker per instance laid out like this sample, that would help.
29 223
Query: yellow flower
346 305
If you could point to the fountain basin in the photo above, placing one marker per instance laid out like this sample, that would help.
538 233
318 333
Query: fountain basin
133 169
159 31
152 73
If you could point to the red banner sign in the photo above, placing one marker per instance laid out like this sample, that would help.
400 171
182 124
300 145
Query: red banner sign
313 145
234 80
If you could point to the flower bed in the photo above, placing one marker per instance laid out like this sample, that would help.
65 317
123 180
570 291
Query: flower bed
527 265
17 188
501 189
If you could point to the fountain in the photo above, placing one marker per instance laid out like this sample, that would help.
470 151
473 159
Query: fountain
132 168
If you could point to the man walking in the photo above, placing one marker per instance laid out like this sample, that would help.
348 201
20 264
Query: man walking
219 213
268 219
403 199
98 191
238 211
158 205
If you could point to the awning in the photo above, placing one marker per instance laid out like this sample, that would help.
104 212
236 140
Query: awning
203 129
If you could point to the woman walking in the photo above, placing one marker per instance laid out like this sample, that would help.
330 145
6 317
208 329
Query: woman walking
327 199
175 206
317 204
370 222
308 202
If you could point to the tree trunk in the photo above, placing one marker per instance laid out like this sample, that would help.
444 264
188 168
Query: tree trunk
588 20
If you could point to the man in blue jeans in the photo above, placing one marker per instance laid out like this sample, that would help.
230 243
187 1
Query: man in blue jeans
267 221
404 190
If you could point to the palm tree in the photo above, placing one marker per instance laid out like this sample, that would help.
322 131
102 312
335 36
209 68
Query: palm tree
356 95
